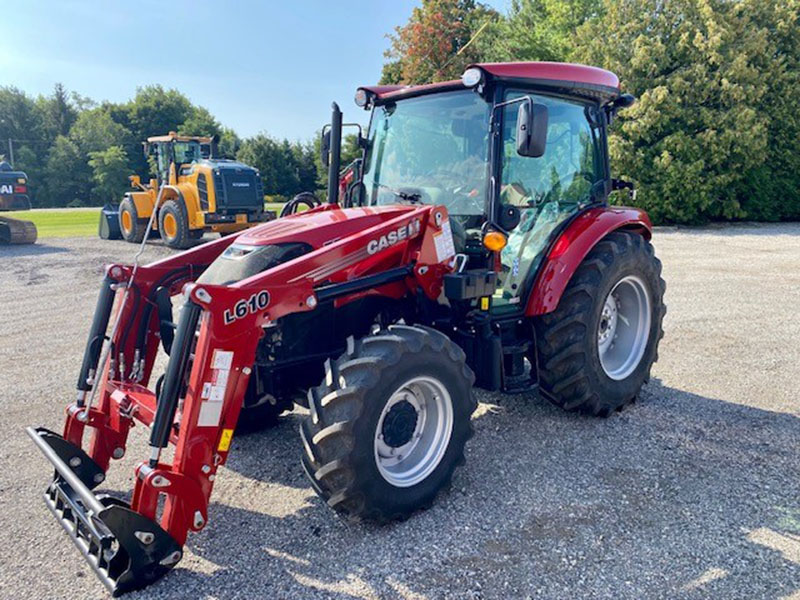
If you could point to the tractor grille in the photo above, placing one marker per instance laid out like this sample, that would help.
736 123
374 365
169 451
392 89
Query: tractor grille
238 189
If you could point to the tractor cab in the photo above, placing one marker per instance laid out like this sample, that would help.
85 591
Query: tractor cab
514 151
178 150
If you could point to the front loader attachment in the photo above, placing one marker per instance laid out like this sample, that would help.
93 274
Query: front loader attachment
126 550
194 407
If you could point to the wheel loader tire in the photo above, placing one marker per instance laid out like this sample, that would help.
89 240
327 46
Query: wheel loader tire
402 390
130 225
260 411
173 225
596 349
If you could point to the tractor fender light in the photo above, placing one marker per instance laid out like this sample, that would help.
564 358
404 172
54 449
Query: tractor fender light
362 98
494 241
472 77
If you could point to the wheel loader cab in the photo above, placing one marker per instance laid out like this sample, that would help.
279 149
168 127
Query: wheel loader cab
459 147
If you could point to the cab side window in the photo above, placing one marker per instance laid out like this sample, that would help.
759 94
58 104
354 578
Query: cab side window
547 190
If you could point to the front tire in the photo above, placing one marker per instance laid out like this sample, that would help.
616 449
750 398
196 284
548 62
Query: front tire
597 348
130 225
388 426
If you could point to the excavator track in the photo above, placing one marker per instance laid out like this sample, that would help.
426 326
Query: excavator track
16 231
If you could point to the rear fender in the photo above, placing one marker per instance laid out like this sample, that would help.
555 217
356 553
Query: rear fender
572 246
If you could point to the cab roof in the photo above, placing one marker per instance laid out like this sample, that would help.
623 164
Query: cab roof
174 137
581 80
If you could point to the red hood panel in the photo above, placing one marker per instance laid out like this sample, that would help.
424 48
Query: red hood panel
321 226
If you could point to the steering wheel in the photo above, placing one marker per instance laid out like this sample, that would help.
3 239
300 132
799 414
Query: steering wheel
464 196
306 199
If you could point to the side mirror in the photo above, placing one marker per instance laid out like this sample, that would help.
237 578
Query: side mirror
531 129
136 181
325 149
509 217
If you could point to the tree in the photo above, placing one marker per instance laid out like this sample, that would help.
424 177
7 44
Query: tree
771 190
229 142
276 162
436 43
95 130
156 111
537 30
57 112
110 172
19 119
200 122
66 175
693 66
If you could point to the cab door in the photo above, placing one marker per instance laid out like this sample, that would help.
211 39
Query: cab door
547 190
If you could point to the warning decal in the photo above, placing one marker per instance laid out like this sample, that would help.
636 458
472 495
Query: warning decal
445 248
213 393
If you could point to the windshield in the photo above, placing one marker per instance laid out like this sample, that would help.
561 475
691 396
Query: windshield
186 152
432 149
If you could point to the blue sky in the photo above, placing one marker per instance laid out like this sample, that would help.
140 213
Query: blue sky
257 66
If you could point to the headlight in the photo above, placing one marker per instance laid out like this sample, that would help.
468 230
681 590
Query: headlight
472 77
362 98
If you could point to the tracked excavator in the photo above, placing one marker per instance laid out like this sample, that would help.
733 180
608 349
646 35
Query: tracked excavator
14 196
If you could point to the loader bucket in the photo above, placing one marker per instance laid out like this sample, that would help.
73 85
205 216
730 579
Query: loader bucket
126 550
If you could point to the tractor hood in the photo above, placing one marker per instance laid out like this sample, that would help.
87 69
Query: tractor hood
320 226
266 246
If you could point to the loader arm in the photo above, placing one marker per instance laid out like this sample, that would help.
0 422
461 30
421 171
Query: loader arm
200 397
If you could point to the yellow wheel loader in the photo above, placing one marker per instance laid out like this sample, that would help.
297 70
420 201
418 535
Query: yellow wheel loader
201 193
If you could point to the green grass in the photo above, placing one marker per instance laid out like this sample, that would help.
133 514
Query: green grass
73 222
61 222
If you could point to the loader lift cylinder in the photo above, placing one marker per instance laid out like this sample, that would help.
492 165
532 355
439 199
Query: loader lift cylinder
336 154
97 335
173 379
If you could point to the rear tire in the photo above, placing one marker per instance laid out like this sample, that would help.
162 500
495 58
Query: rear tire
615 297
405 389
130 225
173 225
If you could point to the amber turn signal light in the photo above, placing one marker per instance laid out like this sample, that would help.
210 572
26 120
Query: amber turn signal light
494 241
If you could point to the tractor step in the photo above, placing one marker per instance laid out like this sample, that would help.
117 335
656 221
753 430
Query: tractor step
518 379
126 550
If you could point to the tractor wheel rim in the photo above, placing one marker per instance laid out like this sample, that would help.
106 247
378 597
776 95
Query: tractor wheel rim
413 431
170 225
624 327
127 221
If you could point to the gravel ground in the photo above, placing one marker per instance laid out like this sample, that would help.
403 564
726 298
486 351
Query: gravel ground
692 492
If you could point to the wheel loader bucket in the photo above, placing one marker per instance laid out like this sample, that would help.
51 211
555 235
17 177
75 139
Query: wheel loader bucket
126 550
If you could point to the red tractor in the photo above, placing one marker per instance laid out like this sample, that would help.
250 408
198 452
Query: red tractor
472 246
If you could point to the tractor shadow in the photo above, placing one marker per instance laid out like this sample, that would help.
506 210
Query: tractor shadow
677 496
